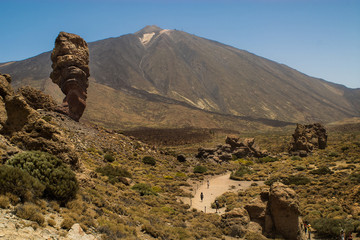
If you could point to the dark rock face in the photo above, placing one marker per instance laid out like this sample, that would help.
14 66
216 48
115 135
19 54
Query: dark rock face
306 138
245 148
70 66
24 127
277 212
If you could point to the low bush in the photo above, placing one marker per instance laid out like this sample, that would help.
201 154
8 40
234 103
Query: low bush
355 177
292 179
59 180
67 223
238 174
330 228
295 158
4 201
51 222
19 182
109 157
149 160
321 171
267 159
115 174
30 211
144 189
200 169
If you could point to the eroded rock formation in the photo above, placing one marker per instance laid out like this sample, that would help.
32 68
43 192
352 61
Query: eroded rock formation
70 66
37 99
277 212
24 127
306 138
245 148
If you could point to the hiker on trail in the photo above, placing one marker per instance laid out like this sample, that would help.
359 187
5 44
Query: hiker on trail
305 227
201 196
208 183
217 205
309 231
349 237
342 235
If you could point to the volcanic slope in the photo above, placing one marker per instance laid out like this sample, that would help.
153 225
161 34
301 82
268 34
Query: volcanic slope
187 73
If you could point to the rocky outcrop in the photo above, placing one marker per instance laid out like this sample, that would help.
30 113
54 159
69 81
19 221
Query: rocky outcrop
37 99
70 66
245 148
306 138
277 212
24 127
235 222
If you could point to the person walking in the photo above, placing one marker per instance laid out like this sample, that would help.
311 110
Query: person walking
208 183
309 231
201 196
217 205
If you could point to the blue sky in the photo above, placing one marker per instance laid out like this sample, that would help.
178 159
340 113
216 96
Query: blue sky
320 38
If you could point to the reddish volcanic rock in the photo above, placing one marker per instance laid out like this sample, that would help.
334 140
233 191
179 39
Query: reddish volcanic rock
70 59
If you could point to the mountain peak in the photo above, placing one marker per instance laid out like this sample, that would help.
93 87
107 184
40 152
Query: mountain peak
149 29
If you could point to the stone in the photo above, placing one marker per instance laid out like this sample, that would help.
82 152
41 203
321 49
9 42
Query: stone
37 99
76 233
306 138
235 222
256 209
284 209
277 212
70 58
241 149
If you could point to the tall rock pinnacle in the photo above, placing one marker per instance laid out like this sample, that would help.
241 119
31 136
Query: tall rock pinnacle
70 58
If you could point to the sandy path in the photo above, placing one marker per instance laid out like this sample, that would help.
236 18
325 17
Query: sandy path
218 185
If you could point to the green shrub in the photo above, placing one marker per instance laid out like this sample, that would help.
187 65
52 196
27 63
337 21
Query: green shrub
30 211
200 169
115 174
294 158
109 157
296 180
266 159
330 228
321 171
355 177
144 189
292 179
238 174
51 222
67 223
333 154
4 201
59 180
300 168
20 183
149 160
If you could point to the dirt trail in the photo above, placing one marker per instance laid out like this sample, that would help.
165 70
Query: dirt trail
217 186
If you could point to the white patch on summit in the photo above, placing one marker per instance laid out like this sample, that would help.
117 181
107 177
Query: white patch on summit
146 38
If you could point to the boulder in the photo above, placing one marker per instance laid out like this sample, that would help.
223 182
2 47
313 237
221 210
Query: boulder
306 138
241 149
235 222
277 212
283 207
37 99
70 58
